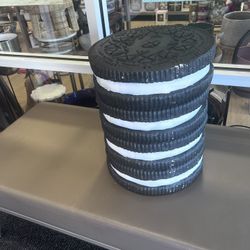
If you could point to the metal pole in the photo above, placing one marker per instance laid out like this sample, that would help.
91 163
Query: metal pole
228 96
59 77
127 14
81 81
12 88
73 82
31 82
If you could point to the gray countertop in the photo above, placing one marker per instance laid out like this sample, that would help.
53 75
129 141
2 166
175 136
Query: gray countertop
53 172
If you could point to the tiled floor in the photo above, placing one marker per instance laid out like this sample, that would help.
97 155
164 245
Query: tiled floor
19 234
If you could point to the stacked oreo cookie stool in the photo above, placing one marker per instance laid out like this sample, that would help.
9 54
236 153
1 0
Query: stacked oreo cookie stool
152 88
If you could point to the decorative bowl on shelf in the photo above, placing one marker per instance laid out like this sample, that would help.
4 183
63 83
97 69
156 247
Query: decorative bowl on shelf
9 43
234 26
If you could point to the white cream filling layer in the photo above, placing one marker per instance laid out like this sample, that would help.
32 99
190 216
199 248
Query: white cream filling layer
155 155
149 126
160 182
153 88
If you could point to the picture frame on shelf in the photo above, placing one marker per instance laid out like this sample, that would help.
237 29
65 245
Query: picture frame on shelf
161 17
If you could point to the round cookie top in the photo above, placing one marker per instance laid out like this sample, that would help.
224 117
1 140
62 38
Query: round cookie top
152 54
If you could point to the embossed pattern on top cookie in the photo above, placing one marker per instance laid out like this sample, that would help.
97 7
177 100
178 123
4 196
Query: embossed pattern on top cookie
152 53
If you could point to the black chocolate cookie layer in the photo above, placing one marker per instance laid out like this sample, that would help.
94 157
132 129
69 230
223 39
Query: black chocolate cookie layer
152 174
158 146
152 116
152 54
156 101
161 190
116 133
157 165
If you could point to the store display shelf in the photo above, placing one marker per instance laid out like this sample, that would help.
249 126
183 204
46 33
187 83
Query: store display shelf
152 13
144 13
53 179
178 13
59 39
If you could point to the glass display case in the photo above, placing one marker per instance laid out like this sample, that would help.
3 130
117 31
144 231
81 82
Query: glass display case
55 28
210 15
69 27
58 27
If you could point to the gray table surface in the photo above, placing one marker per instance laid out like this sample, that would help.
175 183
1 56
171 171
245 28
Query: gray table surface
53 172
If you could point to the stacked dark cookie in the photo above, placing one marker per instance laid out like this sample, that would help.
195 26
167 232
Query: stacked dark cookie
152 87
